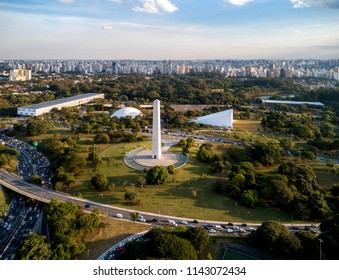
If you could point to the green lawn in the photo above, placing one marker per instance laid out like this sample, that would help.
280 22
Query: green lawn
188 193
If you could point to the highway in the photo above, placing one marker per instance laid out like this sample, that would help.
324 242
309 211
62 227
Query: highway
17 184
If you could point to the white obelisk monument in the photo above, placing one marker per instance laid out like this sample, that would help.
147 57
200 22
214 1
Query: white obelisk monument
156 131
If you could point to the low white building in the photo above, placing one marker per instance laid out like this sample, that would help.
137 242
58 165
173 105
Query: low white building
286 102
125 112
221 119
46 107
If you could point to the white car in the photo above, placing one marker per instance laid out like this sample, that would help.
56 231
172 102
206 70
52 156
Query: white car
212 231
118 215
183 222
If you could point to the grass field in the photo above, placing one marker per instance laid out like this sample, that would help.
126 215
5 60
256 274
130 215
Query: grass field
231 254
110 232
247 125
188 193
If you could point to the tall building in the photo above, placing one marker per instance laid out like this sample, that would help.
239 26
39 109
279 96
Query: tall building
16 75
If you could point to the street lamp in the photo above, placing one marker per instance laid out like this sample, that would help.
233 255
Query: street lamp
320 241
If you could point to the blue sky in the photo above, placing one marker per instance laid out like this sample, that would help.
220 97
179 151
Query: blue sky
169 29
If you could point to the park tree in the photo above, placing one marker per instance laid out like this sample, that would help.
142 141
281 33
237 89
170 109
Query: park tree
61 178
62 219
36 128
157 175
198 237
100 182
73 163
182 143
34 247
171 169
166 246
205 153
130 196
330 234
266 153
134 216
310 245
101 138
234 186
282 194
318 205
249 198
276 238
89 222
190 142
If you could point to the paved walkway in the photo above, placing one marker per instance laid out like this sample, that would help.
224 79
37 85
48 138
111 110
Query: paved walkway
141 158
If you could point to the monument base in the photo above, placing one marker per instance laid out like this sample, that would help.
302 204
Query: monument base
145 158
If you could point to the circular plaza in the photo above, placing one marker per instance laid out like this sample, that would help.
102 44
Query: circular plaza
141 158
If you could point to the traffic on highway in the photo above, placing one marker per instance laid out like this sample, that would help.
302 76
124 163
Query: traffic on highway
25 214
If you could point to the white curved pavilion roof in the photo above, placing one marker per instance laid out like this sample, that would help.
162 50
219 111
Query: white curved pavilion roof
125 112
221 119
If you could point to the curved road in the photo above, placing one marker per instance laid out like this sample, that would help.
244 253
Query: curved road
15 183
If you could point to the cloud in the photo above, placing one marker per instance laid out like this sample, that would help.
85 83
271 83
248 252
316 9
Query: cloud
156 7
67 1
238 2
333 4
107 27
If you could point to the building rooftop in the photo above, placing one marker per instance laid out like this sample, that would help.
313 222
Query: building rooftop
292 102
60 101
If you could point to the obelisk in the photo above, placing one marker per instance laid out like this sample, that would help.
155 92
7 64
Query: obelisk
156 131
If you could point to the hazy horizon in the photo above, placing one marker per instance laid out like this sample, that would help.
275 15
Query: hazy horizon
169 29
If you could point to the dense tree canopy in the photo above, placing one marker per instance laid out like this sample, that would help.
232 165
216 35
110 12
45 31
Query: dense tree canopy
34 247
157 175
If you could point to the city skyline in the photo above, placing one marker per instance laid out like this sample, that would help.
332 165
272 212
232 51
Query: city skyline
169 29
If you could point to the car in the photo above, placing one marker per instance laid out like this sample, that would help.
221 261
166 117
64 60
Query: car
242 230
87 206
228 230
155 220
142 220
212 230
208 227
120 249
244 225
195 222
216 227
251 229
230 224
172 222
118 215
183 222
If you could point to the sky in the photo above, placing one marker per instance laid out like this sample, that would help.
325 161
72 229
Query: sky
169 29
